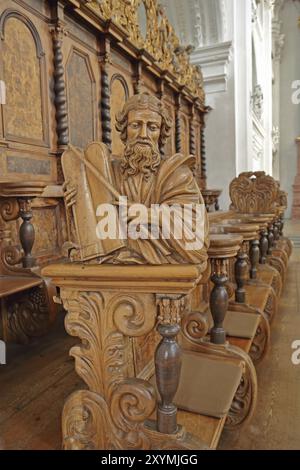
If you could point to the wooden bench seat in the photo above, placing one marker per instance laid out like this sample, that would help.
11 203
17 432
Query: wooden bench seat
11 285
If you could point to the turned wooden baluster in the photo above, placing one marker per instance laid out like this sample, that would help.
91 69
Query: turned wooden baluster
241 275
168 361
270 239
281 220
218 300
264 246
276 230
26 233
254 258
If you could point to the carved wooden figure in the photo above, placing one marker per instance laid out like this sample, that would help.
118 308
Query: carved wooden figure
123 287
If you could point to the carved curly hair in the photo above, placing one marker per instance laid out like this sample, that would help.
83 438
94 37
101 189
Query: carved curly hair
145 101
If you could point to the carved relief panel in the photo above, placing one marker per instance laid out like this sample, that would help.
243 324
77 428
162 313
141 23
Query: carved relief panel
23 71
82 98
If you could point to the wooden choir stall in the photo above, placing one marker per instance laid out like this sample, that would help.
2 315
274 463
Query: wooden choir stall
102 103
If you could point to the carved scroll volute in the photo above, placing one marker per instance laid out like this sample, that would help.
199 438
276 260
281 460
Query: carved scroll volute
9 209
104 323
10 255
105 61
58 32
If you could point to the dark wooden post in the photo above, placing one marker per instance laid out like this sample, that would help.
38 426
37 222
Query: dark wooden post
218 300
60 99
26 234
105 92
222 248
270 239
281 225
178 126
276 230
264 245
192 133
168 360
241 274
254 258
203 155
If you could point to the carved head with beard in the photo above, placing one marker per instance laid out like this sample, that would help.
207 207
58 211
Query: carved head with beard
144 125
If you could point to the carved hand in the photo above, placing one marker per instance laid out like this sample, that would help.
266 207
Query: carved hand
70 193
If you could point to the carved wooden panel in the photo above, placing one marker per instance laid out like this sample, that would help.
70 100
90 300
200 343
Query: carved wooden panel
49 227
170 144
22 57
27 164
185 135
149 83
81 99
121 62
119 93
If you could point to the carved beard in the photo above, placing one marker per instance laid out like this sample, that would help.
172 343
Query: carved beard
140 156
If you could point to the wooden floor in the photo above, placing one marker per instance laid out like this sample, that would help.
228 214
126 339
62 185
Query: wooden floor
37 379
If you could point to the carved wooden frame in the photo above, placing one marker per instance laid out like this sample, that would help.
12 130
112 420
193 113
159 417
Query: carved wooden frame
11 13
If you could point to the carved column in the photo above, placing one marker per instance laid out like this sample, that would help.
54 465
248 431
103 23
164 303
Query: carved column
27 234
105 93
178 126
60 98
203 157
168 361
219 300
192 134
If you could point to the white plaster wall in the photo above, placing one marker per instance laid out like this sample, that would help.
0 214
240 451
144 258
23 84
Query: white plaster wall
220 141
289 112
